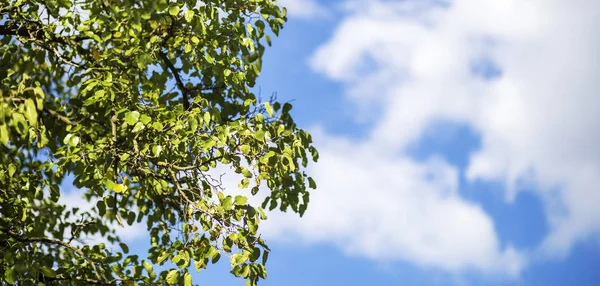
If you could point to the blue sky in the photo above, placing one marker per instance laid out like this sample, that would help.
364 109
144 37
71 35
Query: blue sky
472 99
345 81
458 143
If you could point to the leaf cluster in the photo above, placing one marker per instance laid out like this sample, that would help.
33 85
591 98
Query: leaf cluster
139 102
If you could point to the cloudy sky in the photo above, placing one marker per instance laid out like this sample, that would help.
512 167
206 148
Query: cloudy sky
458 140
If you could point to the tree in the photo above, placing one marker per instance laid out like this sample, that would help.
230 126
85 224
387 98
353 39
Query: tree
137 101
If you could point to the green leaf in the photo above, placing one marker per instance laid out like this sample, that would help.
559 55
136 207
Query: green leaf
198 265
311 183
172 276
39 99
157 126
268 38
286 108
10 275
130 218
132 117
265 257
209 58
67 139
244 183
260 117
4 135
138 127
262 272
177 258
174 10
147 266
227 202
145 119
101 206
31 112
156 149
100 93
207 118
259 135
246 173
163 256
11 170
237 259
119 188
74 141
245 149
189 15
18 122
49 272
108 184
255 254
216 257
240 200
269 109
124 247
187 279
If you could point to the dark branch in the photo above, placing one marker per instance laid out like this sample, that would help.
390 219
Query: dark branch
55 242
180 85
34 31
26 31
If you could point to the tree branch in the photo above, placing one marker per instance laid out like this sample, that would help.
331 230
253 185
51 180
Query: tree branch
187 168
180 85
60 116
55 242
37 34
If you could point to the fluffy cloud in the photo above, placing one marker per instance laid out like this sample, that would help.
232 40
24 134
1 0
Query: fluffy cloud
519 73
385 207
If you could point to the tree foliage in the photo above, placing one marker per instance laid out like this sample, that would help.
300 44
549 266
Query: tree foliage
138 101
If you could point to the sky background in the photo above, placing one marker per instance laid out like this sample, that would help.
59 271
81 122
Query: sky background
458 141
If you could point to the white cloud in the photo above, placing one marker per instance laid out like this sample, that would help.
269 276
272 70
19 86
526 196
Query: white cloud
384 207
303 8
538 122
